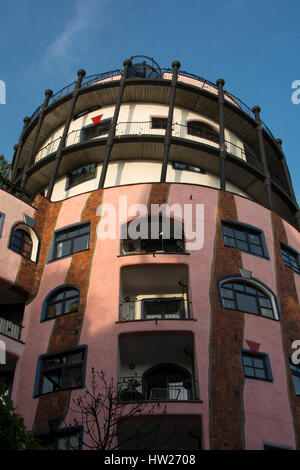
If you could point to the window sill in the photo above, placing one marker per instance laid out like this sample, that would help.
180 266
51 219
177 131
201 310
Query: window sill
154 253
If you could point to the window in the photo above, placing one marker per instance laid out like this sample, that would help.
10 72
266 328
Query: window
80 175
62 440
163 308
89 132
295 371
60 371
290 257
246 297
256 366
159 123
184 167
2 217
245 238
61 302
67 242
201 129
21 243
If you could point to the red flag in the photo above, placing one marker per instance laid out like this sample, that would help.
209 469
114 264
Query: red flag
97 119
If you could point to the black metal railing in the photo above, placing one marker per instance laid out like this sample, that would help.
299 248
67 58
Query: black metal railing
10 329
162 387
202 83
152 308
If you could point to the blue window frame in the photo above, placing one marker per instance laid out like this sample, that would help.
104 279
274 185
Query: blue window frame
61 301
291 257
61 371
70 240
295 371
2 217
256 366
245 237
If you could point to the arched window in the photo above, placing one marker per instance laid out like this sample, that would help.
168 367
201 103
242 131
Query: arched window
167 382
21 243
24 241
249 297
202 129
60 302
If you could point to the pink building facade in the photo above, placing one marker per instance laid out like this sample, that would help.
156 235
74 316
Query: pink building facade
202 318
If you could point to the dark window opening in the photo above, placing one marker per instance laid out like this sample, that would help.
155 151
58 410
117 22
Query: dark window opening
159 123
163 308
71 241
64 301
62 371
167 382
92 131
256 366
201 129
61 440
246 298
185 167
21 243
81 174
244 238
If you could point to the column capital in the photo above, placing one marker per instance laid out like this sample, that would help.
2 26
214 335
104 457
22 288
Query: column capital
220 82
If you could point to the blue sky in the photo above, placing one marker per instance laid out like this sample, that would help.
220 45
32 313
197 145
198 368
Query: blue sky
253 45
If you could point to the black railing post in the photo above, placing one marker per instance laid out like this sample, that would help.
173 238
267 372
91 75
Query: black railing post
58 157
289 180
48 95
168 133
222 147
256 111
112 130
18 148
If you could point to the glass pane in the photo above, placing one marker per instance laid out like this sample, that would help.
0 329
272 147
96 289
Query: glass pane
256 250
81 243
266 313
246 303
71 306
250 290
72 377
239 287
296 380
260 373
258 362
254 239
63 249
249 371
227 231
265 302
229 304
229 241
247 361
240 235
242 245
70 293
227 293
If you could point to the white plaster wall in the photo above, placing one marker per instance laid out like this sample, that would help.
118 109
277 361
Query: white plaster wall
133 172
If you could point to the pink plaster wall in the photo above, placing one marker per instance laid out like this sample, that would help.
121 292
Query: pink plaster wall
293 237
266 405
13 209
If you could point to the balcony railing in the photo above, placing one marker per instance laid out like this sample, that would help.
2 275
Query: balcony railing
164 387
10 329
169 308
145 128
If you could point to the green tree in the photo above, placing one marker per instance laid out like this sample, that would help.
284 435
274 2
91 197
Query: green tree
4 166
13 433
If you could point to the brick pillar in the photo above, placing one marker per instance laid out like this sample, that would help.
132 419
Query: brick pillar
226 342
